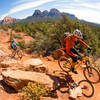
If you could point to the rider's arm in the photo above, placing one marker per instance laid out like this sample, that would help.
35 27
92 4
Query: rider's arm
83 43
68 44
16 43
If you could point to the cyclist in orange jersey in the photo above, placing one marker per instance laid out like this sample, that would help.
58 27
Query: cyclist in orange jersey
70 42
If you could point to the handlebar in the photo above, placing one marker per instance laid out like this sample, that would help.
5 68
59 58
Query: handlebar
87 54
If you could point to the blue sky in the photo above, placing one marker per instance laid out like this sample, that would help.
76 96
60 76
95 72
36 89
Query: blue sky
88 10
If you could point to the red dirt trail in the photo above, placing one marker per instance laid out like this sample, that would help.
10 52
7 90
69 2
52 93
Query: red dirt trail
52 66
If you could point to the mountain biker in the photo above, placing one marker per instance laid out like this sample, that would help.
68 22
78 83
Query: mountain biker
70 42
14 44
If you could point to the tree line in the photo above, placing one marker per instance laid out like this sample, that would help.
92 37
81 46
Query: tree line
47 34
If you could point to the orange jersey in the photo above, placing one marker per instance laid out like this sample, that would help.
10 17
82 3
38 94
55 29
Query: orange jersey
70 43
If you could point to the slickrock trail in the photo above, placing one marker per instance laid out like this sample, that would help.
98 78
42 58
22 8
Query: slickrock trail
52 66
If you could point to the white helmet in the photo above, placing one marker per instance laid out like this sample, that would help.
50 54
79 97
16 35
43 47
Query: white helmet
78 34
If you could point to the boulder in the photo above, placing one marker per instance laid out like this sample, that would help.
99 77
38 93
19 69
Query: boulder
18 79
49 58
8 62
2 53
1 47
32 62
34 65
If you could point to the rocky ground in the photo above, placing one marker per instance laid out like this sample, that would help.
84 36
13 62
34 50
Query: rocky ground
31 69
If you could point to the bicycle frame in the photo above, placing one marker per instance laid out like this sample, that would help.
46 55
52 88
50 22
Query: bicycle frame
82 61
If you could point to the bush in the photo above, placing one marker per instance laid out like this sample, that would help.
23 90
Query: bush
43 45
22 44
18 36
33 91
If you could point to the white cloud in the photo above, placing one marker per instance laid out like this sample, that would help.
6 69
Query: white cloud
83 10
88 15
91 5
20 1
77 0
25 6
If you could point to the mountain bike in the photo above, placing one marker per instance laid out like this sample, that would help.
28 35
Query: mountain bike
18 52
90 72
66 83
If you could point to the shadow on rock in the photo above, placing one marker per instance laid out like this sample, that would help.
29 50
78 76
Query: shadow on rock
7 88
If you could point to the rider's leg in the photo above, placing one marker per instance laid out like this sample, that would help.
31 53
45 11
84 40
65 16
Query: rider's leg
74 64
75 51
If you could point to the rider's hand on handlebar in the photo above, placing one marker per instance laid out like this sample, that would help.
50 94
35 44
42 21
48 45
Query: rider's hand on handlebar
79 57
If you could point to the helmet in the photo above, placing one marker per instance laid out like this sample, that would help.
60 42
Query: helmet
78 34
13 39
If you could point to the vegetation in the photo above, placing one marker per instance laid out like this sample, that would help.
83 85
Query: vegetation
47 34
33 91
22 44
18 36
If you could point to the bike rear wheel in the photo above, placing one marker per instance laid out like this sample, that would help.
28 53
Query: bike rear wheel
65 64
91 74
13 54
87 88
19 53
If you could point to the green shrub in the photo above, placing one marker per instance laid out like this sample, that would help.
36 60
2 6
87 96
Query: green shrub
22 44
43 45
33 91
18 36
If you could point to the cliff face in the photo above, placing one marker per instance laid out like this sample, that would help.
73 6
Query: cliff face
52 14
9 20
37 16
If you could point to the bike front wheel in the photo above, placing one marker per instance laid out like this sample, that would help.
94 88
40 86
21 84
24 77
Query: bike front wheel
65 64
87 88
19 53
91 74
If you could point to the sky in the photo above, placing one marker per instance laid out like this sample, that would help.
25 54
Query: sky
88 10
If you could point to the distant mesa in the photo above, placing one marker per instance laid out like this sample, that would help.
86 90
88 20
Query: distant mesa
9 20
48 15
52 13
37 16
37 13
45 13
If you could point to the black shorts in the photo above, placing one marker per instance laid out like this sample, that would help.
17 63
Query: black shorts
73 50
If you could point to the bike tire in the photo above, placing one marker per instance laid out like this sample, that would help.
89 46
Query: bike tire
65 64
19 53
13 54
94 77
83 86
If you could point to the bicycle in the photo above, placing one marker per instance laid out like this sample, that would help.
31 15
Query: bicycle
18 52
66 81
90 73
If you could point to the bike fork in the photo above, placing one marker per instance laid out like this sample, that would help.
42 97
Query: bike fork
89 71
